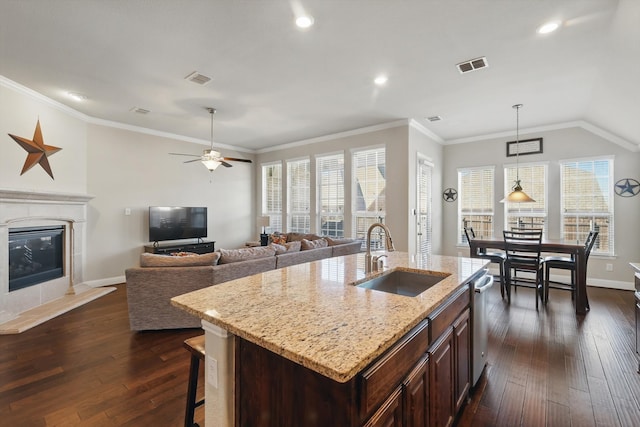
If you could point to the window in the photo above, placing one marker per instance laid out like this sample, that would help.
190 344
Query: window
369 189
272 195
475 201
298 196
330 169
423 213
587 201
533 178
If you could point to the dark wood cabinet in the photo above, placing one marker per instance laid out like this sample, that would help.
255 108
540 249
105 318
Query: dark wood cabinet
462 360
416 395
198 248
441 380
390 413
422 380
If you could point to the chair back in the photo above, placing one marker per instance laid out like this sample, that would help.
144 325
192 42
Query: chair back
590 242
468 231
523 247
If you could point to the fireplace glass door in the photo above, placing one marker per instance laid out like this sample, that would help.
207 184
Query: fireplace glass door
36 255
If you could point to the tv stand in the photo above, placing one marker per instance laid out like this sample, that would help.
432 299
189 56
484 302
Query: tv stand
200 247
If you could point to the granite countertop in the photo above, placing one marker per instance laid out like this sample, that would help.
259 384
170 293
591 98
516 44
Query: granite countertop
313 314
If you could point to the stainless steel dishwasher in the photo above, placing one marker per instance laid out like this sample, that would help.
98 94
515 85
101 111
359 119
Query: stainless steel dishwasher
480 324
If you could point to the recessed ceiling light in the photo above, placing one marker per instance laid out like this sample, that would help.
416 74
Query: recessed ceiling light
304 21
76 96
380 80
549 27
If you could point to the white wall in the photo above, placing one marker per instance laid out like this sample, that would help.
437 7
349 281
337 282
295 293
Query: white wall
121 169
558 145
19 113
134 170
402 146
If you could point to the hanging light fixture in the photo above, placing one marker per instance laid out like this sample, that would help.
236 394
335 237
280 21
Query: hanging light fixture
517 195
211 158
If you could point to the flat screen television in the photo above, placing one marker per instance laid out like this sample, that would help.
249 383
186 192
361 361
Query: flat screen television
175 222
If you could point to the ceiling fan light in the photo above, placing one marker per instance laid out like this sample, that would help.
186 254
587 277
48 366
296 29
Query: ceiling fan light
211 164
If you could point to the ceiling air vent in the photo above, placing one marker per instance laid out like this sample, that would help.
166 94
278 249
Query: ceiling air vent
139 110
434 118
198 78
472 65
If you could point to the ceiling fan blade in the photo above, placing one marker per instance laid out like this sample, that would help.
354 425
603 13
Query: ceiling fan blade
182 154
191 161
225 164
233 159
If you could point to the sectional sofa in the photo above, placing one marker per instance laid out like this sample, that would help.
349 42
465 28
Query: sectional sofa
160 277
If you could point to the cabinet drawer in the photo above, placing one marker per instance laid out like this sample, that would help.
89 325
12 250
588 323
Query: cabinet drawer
386 373
444 316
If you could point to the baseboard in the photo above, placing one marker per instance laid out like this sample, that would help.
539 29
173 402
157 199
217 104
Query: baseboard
109 281
598 283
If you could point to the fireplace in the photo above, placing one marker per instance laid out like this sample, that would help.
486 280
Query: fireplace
36 255
39 211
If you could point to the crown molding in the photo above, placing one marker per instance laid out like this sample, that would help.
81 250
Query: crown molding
426 132
333 136
556 126
17 87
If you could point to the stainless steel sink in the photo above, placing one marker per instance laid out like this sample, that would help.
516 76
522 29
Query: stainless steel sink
402 282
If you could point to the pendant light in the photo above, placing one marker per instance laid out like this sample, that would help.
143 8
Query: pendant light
517 195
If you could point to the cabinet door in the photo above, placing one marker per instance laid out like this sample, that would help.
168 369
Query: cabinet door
462 347
390 413
441 381
416 395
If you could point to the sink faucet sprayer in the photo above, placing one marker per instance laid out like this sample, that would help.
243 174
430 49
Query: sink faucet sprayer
373 263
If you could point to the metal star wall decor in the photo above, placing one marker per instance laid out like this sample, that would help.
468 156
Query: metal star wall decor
450 195
38 151
627 187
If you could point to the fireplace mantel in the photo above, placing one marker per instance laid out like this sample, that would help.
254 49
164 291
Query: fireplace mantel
31 208
27 195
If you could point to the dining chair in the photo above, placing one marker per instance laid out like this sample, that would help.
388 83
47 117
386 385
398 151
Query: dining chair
566 263
495 257
522 249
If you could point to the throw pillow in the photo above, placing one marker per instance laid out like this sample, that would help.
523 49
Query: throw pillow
336 241
278 238
293 246
153 260
287 247
280 249
312 244
228 256
299 236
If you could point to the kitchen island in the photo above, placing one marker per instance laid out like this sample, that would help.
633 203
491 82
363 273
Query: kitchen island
304 345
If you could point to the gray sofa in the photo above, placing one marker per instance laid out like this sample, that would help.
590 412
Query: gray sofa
159 278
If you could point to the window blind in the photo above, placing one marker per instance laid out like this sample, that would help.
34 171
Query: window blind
475 201
369 192
272 195
587 202
533 178
298 196
330 182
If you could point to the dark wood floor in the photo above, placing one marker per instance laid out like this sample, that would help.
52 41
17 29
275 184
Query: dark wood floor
545 368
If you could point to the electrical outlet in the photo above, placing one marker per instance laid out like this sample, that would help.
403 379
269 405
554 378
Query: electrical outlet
609 267
127 211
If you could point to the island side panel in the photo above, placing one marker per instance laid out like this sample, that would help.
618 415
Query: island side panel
274 391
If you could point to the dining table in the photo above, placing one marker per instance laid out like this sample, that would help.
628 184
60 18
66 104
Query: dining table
558 246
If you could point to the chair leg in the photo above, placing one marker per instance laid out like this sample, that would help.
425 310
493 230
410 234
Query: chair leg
191 391
546 283
502 279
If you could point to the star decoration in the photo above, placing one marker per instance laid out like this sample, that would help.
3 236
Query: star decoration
450 195
627 185
38 151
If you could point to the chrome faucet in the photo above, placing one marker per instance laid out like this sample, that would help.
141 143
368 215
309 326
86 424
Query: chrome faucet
373 263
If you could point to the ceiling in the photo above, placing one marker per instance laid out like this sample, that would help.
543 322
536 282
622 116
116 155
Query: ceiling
274 84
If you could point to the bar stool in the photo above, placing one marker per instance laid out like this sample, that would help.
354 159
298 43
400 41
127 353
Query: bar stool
195 346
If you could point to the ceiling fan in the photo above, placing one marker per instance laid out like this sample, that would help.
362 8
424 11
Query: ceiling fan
210 158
